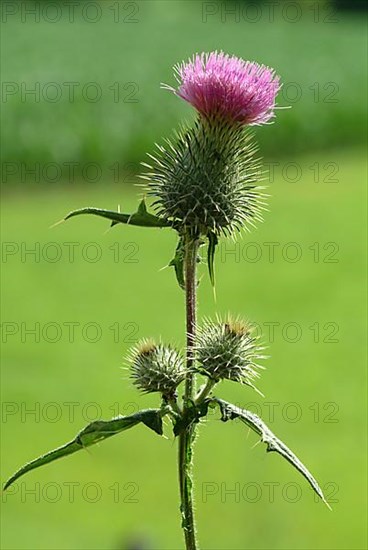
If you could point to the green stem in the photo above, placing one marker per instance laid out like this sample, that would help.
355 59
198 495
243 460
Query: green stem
205 391
186 438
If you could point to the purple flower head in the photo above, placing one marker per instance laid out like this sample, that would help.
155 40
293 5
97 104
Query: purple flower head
228 87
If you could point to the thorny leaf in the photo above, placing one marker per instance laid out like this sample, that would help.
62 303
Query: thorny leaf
230 412
140 218
212 243
93 433
178 263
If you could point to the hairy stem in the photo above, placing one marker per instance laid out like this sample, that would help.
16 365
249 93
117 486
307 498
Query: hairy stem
205 391
185 459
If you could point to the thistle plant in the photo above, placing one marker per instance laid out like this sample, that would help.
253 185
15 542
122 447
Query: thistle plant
203 184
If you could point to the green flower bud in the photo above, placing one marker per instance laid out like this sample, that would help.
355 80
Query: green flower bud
226 350
206 180
156 368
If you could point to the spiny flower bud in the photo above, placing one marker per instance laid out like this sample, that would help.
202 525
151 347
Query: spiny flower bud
206 179
226 350
156 367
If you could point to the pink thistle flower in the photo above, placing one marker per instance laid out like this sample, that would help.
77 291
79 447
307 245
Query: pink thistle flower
219 85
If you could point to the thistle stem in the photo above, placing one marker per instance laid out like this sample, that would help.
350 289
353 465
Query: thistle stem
186 438
205 391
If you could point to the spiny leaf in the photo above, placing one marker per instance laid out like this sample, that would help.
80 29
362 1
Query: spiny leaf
93 433
193 414
178 263
140 218
212 243
229 412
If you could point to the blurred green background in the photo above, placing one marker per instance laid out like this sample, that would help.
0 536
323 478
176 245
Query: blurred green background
85 150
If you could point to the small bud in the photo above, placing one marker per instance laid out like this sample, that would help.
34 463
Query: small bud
156 368
226 350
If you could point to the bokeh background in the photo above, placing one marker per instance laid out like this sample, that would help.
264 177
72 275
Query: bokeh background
81 106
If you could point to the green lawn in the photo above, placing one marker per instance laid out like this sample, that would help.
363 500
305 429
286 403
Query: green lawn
318 380
320 61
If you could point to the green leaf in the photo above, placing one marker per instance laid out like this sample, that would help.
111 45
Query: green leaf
230 412
93 433
192 414
178 263
140 218
212 243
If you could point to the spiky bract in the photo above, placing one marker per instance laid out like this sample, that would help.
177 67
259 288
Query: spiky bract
227 350
156 368
206 180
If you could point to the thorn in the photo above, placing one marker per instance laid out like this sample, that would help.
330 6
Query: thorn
107 230
165 267
257 390
255 445
88 451
57 223
214 294
327 504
